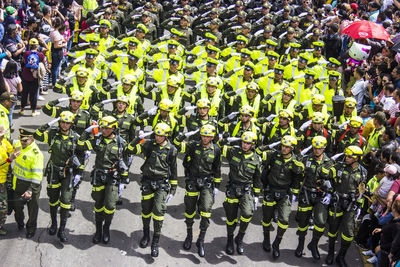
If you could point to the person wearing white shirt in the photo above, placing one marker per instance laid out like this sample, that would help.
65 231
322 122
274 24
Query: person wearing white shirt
359 87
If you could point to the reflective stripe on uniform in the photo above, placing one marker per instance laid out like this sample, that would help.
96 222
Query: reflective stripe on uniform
231 222
302 229
347 238
305 209
98 188
269 204
109 211
205 214
319 229
99 210
243 219
54 204
54 185
147 215
266 224
338 214
191 194
158 218
65 206
332 235
146 197
283 226
190 216
231 200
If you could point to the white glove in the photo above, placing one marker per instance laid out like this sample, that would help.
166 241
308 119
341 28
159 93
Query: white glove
90 128
358 213
255 203
120 189
63 99
327 199
294 198
341 126
160 84
239 91
233 139
169 197
190 108
215 192
143 135
152 111
51 123
271 117
337 156
191 133
175 19
108 101
327 184
274 144
305 125
162 60
233 115
237 69
304 151
77 178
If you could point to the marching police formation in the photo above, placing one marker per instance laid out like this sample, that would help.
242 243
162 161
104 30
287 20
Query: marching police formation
243 83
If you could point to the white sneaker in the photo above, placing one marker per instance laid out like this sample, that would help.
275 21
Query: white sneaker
368 253
36 113
373 260
44 93
41 98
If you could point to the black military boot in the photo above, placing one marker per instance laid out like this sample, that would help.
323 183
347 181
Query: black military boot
239 243
267 242
144 242
340 261
299 250
200 243
61 231
154 245
313 247
229 245
73 207
331 251
275 247
187 244
106 232
98 234
53 215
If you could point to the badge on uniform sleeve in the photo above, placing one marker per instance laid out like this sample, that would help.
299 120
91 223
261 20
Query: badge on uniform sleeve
24 157
308 164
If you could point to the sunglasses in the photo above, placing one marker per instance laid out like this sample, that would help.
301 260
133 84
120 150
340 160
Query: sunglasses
174 62
272 58
172 46
302 60
210 65
248 68
308 76
333 78
270 46
278 71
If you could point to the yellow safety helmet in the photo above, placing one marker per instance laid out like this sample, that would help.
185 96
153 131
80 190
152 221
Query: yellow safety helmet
252 86
166 104
318 99
319 142
67 116
77 95
356 122
318 117
212 81
33 41
105 23
353 151
123 98
109 122
162 129
350 102
249 137
203 103
289 140
129 79
208 130
173 81
82 72
285 113
247 110
290 91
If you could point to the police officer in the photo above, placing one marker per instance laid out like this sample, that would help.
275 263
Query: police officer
281 185
27 179
243 187
202 165
109 175
275 132
375 138
159 181
345 204
64 169
350 136
316 184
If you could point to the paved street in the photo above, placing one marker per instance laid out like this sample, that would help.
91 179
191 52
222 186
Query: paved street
123 249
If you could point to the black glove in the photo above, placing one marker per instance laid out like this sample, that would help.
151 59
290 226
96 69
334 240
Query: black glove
267 97
298 108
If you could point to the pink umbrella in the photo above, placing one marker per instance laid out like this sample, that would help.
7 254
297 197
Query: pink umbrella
363 29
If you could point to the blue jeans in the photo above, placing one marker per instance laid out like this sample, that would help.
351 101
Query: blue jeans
10 115
56 59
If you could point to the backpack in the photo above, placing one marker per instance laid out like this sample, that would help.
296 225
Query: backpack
32 61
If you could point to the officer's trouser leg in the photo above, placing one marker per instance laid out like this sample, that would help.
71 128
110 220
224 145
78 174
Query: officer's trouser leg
231 206
98 195
110 203
347 236
33 210
159 209
283 205
53 192
65 199
3 204
246 204
147 207
190 200
18 207
206 202
333 226
320 217
303 217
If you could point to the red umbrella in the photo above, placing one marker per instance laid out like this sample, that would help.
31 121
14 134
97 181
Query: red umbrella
363 29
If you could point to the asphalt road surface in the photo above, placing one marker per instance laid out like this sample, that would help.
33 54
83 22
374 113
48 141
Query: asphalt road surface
123 249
